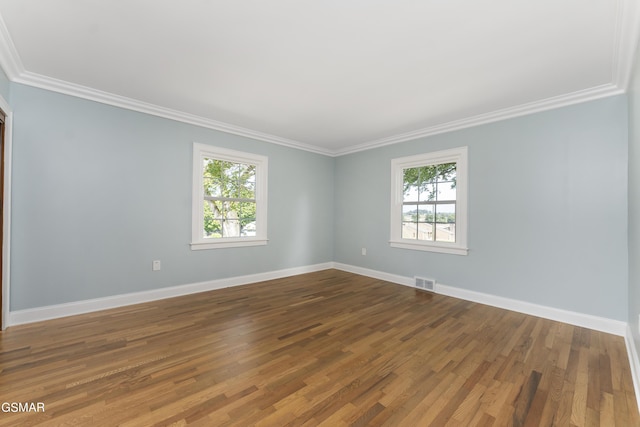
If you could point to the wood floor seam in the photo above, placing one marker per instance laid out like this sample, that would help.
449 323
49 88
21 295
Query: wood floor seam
324 348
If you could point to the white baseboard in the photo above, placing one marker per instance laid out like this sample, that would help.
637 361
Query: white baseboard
610 326
62 310
31 315
393 278
602 324
634 362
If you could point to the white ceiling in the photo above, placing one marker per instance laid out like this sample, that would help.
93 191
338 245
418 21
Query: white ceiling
331 76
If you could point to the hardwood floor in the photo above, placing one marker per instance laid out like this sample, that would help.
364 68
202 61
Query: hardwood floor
327 348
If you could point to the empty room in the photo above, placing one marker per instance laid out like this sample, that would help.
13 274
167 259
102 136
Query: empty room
288 213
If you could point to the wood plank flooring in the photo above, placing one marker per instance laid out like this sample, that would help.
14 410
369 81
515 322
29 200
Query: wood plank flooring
328 348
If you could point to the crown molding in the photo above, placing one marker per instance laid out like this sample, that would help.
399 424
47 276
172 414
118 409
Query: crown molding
597 323
67 88
626 35
72 89
14 69
9 59
627 30
494 116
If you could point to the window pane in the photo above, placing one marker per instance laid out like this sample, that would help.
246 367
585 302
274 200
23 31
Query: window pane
211 178
409 230
247 177
411 193
231 228
409 213
225 218
446 212
243 178
429 222
416 180
248 229
212 188
426 213
411 176
233 203
245 210
426 174
436 218
247 217
249 190
212 228
447 172
428 192
446 191
213 209
446 227
446 232
219 178
232 173
425 231
232 210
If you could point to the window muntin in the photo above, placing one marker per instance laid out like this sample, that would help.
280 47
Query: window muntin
229 198
429 203
428 209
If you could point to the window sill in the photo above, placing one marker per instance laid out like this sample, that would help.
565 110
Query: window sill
197 246
442 248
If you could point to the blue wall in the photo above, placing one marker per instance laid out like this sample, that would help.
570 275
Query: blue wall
99 192
547 210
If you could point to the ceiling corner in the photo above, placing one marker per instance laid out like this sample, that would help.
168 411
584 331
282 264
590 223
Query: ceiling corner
626 42
9 59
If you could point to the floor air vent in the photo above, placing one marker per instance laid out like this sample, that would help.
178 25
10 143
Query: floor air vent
425 284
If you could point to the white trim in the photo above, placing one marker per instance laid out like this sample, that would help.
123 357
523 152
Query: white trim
458 155
12 65
626 34
9 59
84 92
6 219
579 319
67 88
634 363
626 42
48 83
202 151
88 306
597 323
610 326
565 100
381 275
228 243
429 247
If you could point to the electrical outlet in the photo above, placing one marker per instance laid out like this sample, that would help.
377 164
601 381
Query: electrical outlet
156 265
364 251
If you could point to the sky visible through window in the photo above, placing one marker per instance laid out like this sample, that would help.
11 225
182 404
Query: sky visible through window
429 203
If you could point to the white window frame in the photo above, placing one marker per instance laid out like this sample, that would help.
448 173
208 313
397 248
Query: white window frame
460 157
198 241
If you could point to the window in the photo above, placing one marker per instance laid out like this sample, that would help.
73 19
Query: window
429 202
229 198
